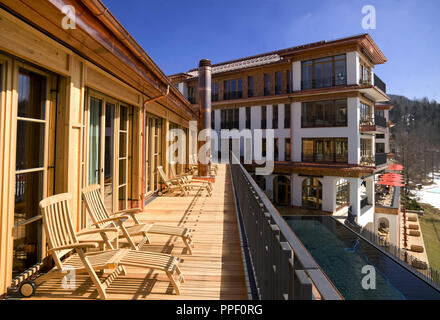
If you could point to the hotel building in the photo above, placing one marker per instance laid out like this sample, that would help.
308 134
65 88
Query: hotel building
329 112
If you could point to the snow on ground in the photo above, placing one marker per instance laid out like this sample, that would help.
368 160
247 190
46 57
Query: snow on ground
425 196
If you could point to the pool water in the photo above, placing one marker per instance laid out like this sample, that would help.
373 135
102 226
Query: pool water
435 190
341 254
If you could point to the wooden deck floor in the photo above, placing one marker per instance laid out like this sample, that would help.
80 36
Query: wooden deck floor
214 271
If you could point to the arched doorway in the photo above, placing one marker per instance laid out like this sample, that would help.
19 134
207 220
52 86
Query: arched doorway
312 194
281 187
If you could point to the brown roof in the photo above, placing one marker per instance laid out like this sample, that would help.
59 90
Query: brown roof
366 43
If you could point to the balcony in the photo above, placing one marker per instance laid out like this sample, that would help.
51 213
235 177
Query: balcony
323 83
378 124
213 271
324 158
367 160
380 84
380 159
380 121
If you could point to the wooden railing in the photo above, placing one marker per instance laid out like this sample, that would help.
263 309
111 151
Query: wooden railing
282 267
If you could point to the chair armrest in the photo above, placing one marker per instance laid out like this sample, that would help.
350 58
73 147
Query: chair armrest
127 211
118 218
76 246
85 232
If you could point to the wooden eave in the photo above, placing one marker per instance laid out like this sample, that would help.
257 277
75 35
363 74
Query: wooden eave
98 42
383 106
362 43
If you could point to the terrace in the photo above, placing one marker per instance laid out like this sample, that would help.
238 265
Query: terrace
214 270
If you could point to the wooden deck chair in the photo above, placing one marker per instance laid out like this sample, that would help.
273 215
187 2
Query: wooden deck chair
186 177
62 240
174 182
103 220
194 167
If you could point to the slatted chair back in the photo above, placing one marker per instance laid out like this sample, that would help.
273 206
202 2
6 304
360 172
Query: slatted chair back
173 170
58 225
95 205
164 176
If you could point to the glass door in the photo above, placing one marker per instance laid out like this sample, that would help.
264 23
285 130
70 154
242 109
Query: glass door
30 169
123 158
94 165
109 154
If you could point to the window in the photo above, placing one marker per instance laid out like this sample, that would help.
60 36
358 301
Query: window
275 117
278 83
250 86
213 119
276 149
223 122
263 148
214 91
266 84
263 117
366 115
192 94
248 117
233 89
230 119
380 147
365 74
327 150
287 116
380 136
366 152
288 81
287 150
342 193
326 72
331 113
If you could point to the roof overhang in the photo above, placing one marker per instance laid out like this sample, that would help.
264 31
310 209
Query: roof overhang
101 39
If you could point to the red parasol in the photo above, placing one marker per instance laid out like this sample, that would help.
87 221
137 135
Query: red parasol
396 167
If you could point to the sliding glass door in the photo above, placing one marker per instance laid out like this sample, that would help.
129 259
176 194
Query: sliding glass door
95 137
109 154
154 142
31 168
109 157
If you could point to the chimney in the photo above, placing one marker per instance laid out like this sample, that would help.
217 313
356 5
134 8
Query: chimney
204 163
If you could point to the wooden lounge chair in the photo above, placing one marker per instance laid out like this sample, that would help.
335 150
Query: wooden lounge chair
194 167
179 184
186 177
62 239
103 220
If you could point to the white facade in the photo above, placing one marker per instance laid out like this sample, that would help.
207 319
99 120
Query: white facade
363 209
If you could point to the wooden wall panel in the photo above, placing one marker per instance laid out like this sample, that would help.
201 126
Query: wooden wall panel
25 42
6 176
100 81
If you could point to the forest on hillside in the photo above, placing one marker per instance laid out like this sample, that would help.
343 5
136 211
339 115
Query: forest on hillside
416 136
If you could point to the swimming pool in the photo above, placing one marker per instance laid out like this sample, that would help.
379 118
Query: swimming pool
341 254
435 190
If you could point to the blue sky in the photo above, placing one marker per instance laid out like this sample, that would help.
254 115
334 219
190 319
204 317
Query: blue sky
177 34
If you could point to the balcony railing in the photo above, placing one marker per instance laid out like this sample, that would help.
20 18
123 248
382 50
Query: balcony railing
367 160
325 158
381 159
323 82
366 120
380 121
380 84
281 266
